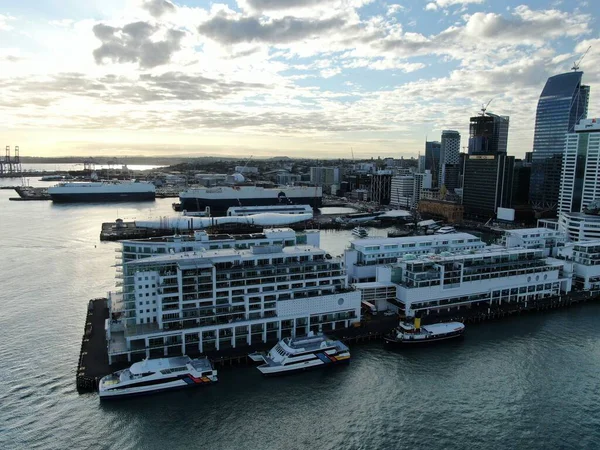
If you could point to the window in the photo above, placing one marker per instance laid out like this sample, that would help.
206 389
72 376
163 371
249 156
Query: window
147 294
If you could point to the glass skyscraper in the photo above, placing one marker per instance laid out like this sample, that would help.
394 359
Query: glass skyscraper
563 102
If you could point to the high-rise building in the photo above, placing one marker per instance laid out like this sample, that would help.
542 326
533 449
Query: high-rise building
324 176
402 191
381 187
432 159
488 134
421 181
488 171
563 102
421 164
487 185
580 182
449 159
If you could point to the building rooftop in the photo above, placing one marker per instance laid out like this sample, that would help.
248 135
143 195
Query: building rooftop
413 239
200 256
526 232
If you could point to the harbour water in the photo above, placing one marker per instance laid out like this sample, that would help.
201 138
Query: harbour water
527 382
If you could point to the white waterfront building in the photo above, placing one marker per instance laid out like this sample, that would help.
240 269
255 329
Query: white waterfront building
364 255
496 275
544 238
214 299
585 257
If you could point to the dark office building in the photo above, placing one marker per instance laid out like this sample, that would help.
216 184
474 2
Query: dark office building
488 134
521 177
563 102
432 159
487 185
488 171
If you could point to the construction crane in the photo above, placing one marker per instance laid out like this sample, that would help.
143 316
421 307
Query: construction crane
575 67
484 107
352 150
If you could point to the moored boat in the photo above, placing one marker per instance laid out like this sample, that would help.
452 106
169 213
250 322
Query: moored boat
156 375
102 191
302 353
360 232
414 334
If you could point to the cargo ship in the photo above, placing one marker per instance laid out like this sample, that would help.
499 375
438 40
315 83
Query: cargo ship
219 199
102 191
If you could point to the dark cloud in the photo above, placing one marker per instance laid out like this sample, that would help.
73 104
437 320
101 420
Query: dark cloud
133 43
158 7
250 29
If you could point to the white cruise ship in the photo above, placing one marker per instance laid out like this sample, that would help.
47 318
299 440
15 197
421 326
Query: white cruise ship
360 232
155 375
102 191
302 353
219 199
415 334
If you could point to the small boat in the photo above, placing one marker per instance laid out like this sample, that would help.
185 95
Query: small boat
155 375
360 232
415 334
302 353
445 230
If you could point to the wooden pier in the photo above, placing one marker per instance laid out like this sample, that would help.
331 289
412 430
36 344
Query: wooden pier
93 357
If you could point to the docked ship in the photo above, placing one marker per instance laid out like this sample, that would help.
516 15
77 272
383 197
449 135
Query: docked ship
415 334
302 353
156 375
102 191
360 232
219 199
358 217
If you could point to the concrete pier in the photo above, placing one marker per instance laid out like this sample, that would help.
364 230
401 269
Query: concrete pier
93 360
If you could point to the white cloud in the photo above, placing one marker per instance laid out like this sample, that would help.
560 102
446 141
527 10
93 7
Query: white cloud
4 22
443 4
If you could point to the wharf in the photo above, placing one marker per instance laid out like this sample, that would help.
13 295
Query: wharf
93 360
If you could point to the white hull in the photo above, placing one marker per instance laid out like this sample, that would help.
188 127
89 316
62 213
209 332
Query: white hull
128 392
300 366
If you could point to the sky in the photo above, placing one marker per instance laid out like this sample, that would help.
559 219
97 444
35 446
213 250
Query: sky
300 78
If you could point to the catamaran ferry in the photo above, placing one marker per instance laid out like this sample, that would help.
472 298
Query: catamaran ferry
155 375
415 334
302 353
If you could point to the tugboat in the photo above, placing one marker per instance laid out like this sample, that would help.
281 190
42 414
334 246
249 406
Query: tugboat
408 334
360 232
155 375
302 353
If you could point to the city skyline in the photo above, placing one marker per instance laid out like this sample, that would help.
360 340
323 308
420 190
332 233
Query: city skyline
275 77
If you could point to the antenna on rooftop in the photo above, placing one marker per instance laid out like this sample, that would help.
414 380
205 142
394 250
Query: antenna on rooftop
575 67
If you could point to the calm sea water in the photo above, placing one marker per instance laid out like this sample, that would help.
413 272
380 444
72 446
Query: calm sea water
530 382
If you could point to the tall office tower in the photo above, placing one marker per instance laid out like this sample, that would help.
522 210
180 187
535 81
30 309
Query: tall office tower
449 159
563 102
488 171
488 134
432 159
381 186
579 197
421 164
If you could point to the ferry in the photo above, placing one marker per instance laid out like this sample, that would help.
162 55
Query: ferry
414 334
156 375
102 191
237 211
219 199
445 230
302 353
360 232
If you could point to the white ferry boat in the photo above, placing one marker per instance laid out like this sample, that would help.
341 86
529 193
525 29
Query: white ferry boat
360 232
102 191
445 230
302 353
219 199
415 334
155 375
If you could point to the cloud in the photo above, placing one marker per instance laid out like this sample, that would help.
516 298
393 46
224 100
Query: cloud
158 8
265 5
136 42
229 30
4 19
443 4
